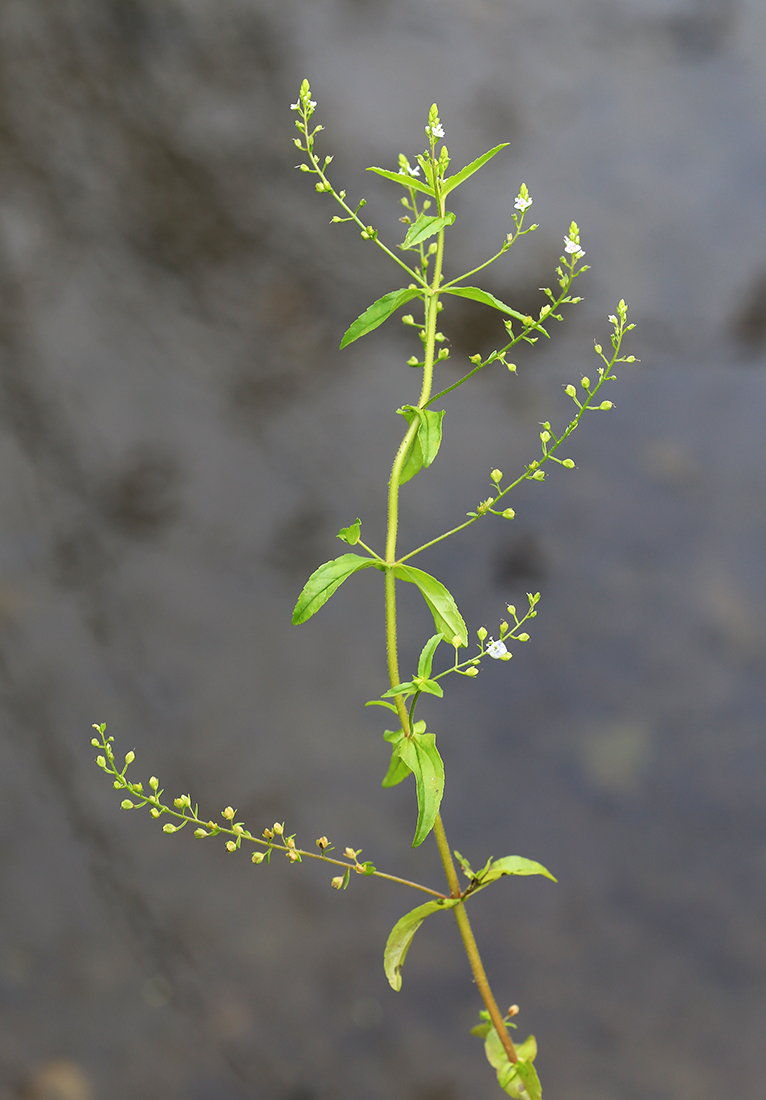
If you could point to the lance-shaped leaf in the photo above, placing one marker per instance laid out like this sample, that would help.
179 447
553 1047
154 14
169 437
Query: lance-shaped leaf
430 687
487 299
377 313
429 431
513 865
413 461
397 771
427 656
460 177
514 1077
447 619
324 581
401 937
421 756
350 534
424 227
406 180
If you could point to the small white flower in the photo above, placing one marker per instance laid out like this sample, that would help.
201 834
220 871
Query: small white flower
407 171
496 649
436 131
573 248
295 106
312 104
522 203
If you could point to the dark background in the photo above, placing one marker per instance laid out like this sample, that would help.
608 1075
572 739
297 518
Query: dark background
180 441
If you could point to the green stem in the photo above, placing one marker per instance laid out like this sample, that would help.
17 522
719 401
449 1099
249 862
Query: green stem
469 943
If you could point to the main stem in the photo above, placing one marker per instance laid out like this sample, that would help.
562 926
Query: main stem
464 926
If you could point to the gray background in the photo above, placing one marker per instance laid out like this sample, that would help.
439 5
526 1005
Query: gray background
180 441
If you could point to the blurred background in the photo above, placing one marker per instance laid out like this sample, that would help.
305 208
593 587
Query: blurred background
181 440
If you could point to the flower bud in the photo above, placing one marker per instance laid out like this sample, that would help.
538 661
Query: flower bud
101 761
258 857
456 642
279 829
511 610
154 782
230 845
168 828
481 633
497 476
570 390
545 436
337 883
508 513
472 672
268 833
585 382
126 804
323 843
228 813
201 832
606 405
350 853
599 349
569 463
154 812
513 1010
95 742
523 637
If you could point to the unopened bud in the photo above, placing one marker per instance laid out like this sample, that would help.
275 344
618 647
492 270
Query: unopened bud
154 782
168 828
230 845
497 476
481 633
523 637
605 405
569 463
201 832
228 813
279 829
154 812
545 436
268 833
127 804
598 348
539 475
258 857
337 883
100 760
585 382
472 672
513 1010
570 390
508 513
323 843
350 853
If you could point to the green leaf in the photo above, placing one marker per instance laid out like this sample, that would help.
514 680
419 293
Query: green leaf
447 619
429 686
427 656
421 756
400 689
429 433
487 299
513 1077
350 534
397 771
405 180
424 227
401 937
460 177
528 1075
377 313
466 866
413 461
514 865
324 581
380 703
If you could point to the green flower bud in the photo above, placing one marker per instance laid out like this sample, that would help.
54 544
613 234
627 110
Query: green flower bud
258 857
472 672
155 812
570 390
539 475
228 813
606 405
523 637
201 832
337 883
278 829
154 782
168 828
95 742
599 349
569 463
511 610
481 633
545 436
101 761
497 476
304 167
508 513
127 804
230 845
585 382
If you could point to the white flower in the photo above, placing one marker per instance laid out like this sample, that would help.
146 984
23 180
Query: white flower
522 203
436 131
407 171
496 649
295 106
573 248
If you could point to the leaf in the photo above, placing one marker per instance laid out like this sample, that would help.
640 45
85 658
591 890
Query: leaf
401 937
397 771
429 433
528 1075
413 461
447 619
430 687
487 299
424 227
421 756
377 313
460 177
427 656
324 581
467 868
400 689
404 180
380 703
513 1077
513 865
350 534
